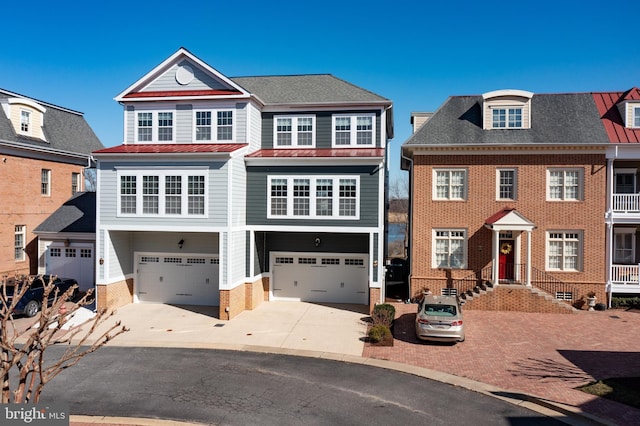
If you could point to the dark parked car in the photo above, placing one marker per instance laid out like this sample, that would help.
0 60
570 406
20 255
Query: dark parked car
32 301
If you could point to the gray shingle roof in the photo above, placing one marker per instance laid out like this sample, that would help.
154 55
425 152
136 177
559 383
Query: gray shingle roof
78 214
556 119
306 89
64 129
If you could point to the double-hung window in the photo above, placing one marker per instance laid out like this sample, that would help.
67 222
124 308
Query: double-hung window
449 184
225 125
624 243
45 182
564 184
449 248
162 193
636 116
506 184
510 117
213 125
25 121
20 236
154 126
319 197
353 130
203 125
75 183
294 131
564 250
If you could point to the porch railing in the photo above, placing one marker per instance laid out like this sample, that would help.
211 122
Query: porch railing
625 274
555 287
467 284
626 203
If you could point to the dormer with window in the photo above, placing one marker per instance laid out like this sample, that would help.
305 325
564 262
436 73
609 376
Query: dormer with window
26 116
506 109
629 109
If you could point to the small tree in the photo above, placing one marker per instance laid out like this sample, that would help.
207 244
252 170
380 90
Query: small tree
22 351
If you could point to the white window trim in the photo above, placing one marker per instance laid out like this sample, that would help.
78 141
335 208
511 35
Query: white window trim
312 197
465 239
580 249
23 232
635 109
353 130
434 191
214 125
155 126
294 131
29 130
626 171
75 180
184 174
580 195
48 193
507 108
515 184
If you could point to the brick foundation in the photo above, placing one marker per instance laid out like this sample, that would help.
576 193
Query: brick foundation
254 294
113 296
374 298
517 298
232 302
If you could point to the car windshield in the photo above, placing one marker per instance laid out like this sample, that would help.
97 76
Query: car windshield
440 310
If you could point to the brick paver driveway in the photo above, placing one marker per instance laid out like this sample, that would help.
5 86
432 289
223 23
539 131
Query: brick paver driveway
545 355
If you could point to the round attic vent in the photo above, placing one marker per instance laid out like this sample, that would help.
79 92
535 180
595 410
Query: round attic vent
184 74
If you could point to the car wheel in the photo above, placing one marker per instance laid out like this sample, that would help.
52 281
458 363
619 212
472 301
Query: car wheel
32 308
461 340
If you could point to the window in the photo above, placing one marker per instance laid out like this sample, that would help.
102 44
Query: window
564 185
145 127
203 125
564 250
225 125
507 118
449 248
636 117
167 193
293 132
165 126
45 182
353 130
506 184
318 197
624 243
20 236
25 121
449 184
75 183
625 181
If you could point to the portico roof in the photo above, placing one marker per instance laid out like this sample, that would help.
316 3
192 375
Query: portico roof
509 219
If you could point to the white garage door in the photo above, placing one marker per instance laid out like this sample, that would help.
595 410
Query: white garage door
325 278
75 261
179 280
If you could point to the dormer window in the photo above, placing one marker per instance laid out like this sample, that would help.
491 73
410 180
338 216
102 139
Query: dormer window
507 109
636 116
26 116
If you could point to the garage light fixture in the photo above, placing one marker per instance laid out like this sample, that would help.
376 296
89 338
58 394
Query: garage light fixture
67 243
317 241
180 243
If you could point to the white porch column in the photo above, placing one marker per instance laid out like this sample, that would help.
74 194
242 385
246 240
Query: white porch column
496 258
528 270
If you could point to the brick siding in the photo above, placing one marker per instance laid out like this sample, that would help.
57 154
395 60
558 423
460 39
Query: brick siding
115 295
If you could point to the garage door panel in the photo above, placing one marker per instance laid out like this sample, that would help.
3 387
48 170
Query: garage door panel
178 280
326 278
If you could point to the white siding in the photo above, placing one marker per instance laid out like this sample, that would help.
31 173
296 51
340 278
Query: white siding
237 258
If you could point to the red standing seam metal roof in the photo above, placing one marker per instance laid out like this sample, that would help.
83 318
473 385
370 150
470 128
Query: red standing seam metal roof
318 153
182 93
184 148
499 215
607 102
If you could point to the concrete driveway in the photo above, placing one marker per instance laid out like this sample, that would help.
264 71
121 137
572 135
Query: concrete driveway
338 329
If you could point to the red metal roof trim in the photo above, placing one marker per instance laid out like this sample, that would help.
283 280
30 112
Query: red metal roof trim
318 153
611 120
175 93
499 215
171 149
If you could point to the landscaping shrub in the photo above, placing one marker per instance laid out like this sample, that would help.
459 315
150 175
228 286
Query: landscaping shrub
379 333
383 314
625 302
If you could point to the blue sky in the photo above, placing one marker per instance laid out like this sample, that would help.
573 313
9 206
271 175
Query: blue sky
80 55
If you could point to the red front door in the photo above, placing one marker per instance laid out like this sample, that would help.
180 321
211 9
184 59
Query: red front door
506 260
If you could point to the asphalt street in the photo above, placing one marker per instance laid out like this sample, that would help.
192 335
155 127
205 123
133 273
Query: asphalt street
246 388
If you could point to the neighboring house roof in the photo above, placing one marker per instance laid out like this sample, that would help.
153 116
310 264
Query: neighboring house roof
607 103
307 89
556 119
66 131
190 148
77 215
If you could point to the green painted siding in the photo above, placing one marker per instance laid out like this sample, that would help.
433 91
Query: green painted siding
257 192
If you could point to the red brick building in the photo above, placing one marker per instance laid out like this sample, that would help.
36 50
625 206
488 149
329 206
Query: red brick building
44 150
509 188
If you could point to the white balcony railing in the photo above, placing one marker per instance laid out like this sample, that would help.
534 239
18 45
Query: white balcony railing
625 274
626 203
